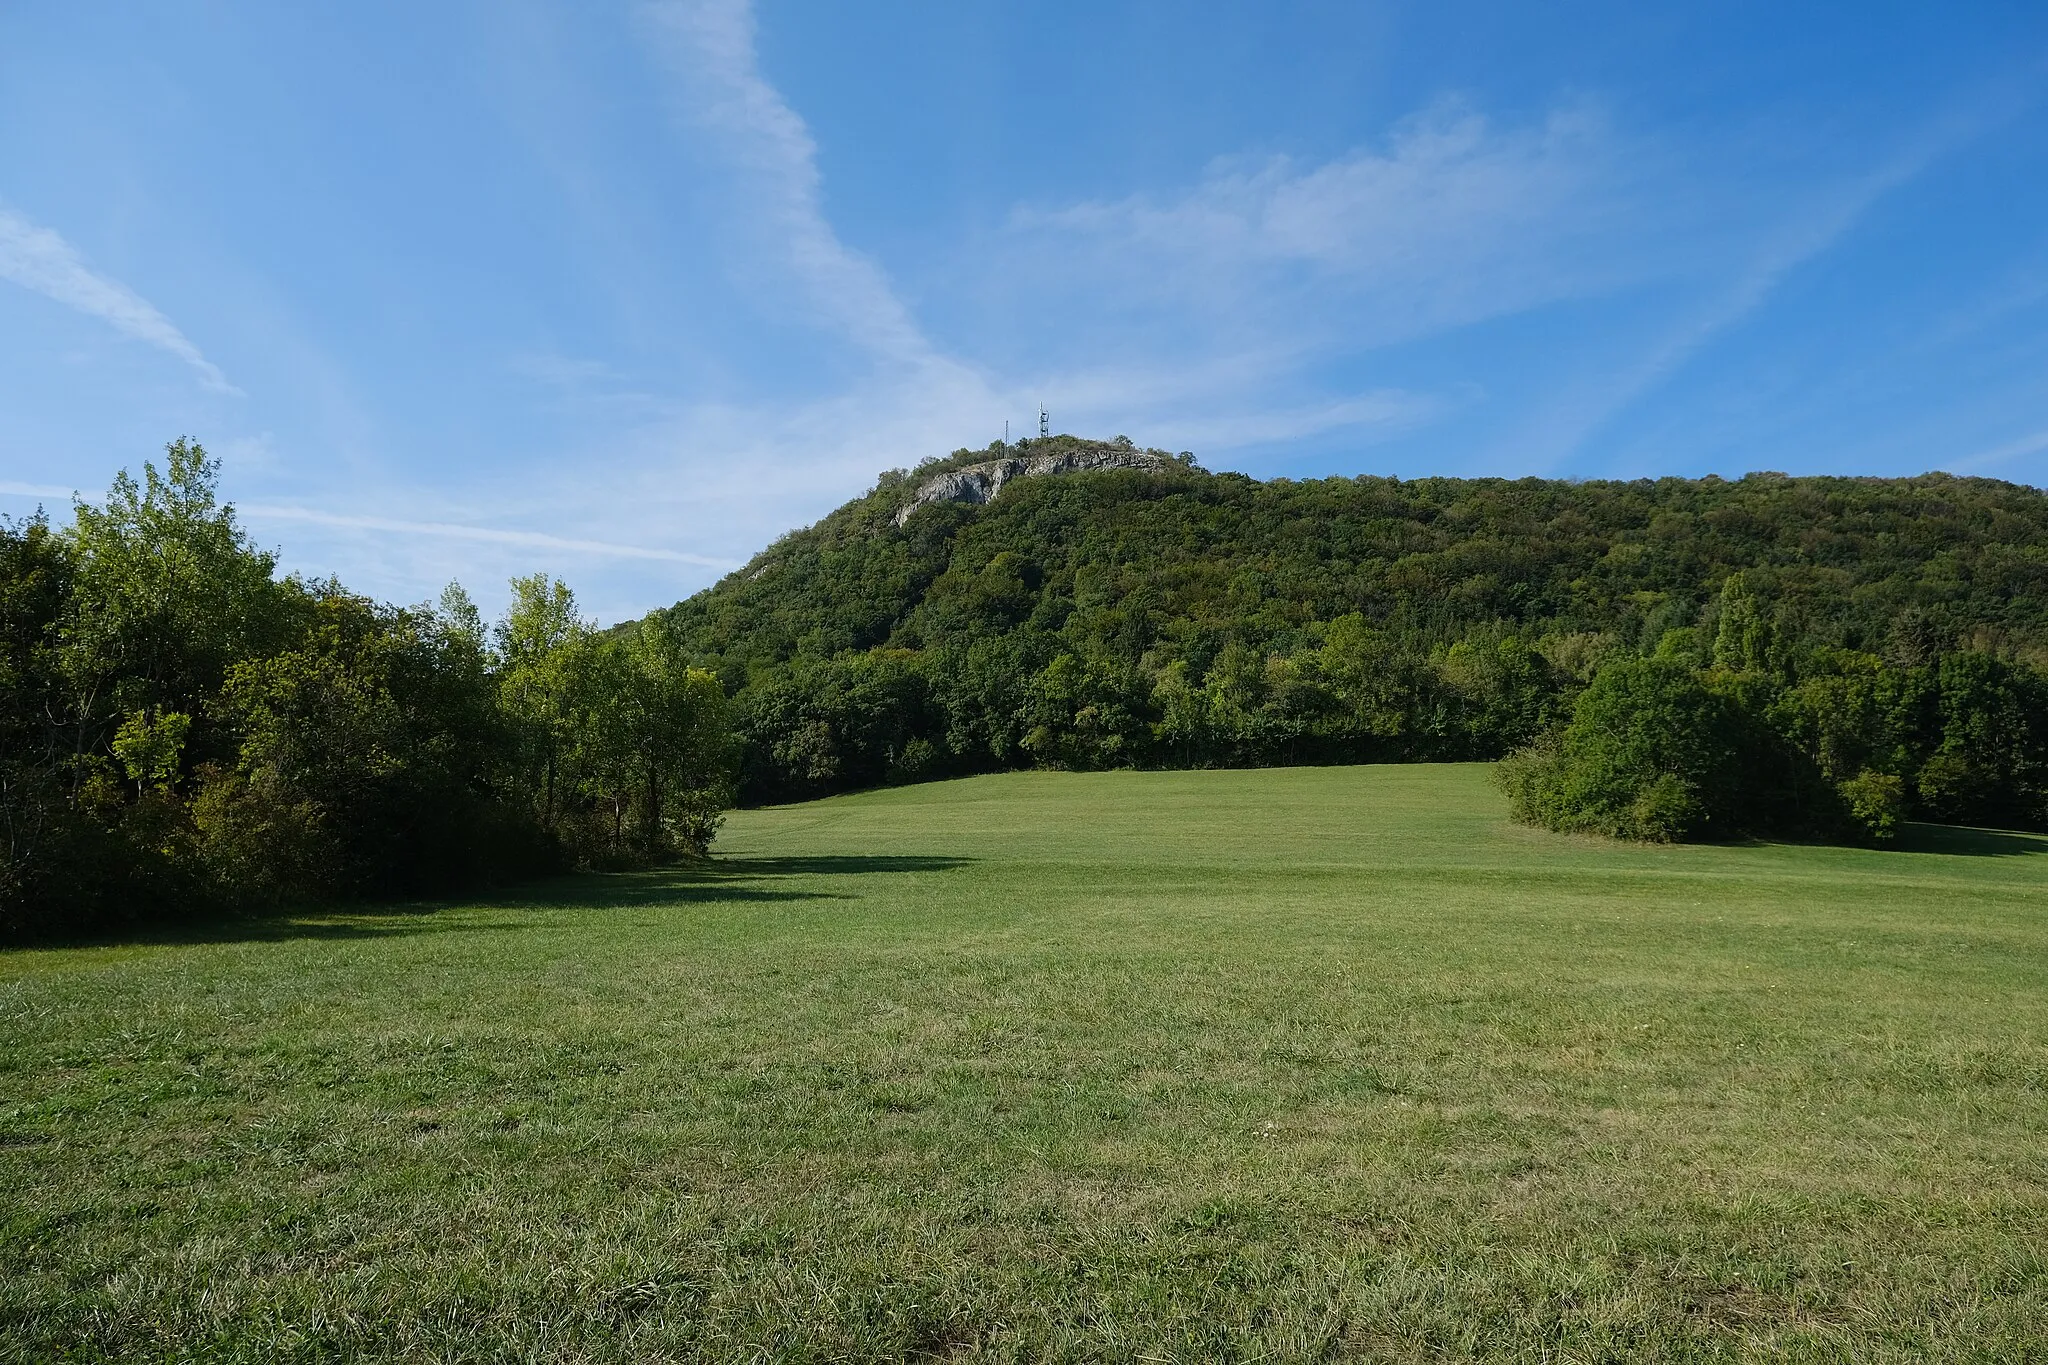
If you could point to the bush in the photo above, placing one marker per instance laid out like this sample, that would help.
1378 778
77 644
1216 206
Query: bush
1650 754
1876 802
260 846
1665 811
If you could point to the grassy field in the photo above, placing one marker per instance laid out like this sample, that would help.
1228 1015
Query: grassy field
1304 1064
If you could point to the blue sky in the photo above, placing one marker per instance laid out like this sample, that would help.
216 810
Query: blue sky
623 291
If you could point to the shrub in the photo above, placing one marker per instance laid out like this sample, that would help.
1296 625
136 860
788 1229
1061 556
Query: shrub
1876 803
1650 754
1954 787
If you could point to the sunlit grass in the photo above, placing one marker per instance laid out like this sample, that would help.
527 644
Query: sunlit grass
1314 1063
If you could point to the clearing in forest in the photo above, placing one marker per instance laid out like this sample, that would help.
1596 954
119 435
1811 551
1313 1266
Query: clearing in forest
1275 1065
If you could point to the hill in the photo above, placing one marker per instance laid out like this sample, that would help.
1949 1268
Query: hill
1293 1065
1125 607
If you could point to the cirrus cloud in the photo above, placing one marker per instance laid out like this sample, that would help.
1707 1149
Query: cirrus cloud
39 259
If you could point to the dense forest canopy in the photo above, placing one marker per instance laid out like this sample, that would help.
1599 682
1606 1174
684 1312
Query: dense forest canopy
184 731
1173 617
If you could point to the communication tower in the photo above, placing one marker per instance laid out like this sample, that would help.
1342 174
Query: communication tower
1044 429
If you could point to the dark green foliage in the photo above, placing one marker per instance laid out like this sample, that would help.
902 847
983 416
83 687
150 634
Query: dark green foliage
1877 803
1840 744
1651 753
36 570
1993 757
1173 618
365 761
183 732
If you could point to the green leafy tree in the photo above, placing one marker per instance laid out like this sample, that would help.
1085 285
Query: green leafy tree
1744 637
540 642
168 594
150 744
369 761
1650 754
36 820
1991 765
1877 803
1383 619
183 732
683 738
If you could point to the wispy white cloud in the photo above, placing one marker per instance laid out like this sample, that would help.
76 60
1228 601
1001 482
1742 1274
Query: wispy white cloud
1446 186
592 385
1369 416
33 490
445 530
437 530
2033 444
1814 228
740 473
920 399
37 258
1450 220
711 44
1198 318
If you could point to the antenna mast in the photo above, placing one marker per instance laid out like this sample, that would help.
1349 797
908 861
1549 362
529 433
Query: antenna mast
1043 429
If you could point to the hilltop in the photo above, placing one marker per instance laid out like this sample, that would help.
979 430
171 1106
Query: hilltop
1086 604
980 481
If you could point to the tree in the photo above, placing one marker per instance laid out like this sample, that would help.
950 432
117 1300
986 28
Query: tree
36 572
683 733
368 764
168 593
183 732
538 641
1376 618
1650 754
1744 639
1991 766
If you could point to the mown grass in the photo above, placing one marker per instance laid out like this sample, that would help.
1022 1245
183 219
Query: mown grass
1306 1064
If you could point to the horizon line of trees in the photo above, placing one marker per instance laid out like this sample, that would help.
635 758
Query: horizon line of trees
184 732
1756 739
1733 733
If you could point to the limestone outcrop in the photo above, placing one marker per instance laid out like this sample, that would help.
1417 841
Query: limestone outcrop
979 483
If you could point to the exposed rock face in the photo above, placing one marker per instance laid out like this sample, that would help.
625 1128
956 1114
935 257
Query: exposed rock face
979 483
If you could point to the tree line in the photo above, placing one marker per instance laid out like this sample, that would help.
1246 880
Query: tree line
1713 736
183 731
1885 635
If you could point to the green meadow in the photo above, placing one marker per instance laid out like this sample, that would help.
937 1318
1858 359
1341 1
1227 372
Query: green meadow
1300 1064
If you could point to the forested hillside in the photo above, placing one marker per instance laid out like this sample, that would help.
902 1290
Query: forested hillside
1167 616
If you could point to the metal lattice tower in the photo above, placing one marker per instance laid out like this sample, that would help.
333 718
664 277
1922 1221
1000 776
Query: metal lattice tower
1044 428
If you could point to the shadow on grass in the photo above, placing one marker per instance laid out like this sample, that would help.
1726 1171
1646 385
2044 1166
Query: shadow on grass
714 879
1958 841
1968 842
739 880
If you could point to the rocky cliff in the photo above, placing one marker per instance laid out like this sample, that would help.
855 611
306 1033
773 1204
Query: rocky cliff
979 483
